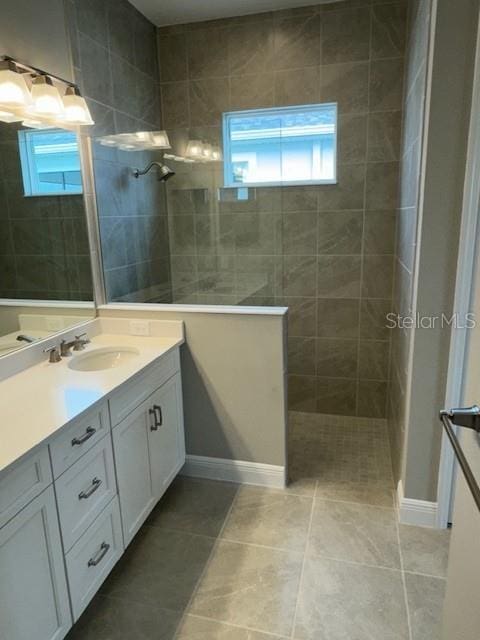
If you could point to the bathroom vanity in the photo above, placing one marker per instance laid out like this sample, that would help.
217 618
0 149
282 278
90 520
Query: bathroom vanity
88 447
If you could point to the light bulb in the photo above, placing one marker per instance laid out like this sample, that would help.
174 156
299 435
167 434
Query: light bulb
46 98
13 88
76 109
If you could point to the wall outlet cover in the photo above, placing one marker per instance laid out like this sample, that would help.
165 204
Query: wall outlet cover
140 328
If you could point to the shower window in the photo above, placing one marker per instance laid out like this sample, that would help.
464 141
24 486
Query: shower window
50 162
281 146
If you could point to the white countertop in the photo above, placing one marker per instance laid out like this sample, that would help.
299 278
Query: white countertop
39 401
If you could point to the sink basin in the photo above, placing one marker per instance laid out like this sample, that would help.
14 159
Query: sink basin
103 358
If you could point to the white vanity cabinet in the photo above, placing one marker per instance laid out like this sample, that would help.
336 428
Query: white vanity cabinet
149 447
69 508
33 588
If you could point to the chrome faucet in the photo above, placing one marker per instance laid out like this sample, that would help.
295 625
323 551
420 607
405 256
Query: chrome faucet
23 338
78 344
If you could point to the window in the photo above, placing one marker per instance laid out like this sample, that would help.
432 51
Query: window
285 146
50 162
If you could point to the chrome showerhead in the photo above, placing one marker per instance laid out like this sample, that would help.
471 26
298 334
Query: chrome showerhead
163 173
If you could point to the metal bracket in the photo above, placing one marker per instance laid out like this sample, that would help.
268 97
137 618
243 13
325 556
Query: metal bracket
468 417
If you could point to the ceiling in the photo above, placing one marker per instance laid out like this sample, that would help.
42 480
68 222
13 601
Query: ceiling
167 12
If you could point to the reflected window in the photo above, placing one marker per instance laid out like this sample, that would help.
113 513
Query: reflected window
282 146
50 162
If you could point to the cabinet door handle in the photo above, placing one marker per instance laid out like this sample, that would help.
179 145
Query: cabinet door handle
158 411
83 495
102 552
90 431
154 426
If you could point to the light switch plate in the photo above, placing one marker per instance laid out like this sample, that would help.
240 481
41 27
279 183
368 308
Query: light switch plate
139 327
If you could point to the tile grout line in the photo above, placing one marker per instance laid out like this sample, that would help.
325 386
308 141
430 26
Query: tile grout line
300 580
237 626
207 564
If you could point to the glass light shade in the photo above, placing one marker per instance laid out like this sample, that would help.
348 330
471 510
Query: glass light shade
35 124
46 99
76 109
194 150
160 140
6 116
13 89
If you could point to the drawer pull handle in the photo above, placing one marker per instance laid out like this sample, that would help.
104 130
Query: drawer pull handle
86 436
104 547
154 426
156 412
83 495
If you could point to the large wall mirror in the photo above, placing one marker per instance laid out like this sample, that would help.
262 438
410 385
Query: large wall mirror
45 273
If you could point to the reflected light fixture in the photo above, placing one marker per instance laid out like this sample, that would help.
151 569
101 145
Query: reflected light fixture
207 151
160 140
6 116
75 107
194 150
46 98
217 154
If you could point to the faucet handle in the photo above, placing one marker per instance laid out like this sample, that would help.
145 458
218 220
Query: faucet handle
54 356
80 342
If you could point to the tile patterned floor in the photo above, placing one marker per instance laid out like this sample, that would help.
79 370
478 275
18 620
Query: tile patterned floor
323 560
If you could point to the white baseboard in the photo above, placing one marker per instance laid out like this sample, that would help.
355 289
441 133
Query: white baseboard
241 471
420 513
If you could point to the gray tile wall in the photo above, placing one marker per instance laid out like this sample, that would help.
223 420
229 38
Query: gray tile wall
115 62
326 251
44 251
406 233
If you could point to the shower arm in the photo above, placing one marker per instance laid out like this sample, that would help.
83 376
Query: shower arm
139 172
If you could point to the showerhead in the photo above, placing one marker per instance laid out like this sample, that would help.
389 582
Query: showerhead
163 173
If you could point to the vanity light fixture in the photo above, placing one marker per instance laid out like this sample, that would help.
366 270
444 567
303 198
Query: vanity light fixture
46 99
76 109
34 96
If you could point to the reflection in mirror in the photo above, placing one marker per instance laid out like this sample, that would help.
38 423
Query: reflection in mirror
45 281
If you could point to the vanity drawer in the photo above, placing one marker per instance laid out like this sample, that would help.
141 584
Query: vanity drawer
78 438
133 393
24 482
84 490
93 557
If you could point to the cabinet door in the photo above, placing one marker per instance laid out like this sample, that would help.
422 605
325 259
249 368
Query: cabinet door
132 462
33 588
166 437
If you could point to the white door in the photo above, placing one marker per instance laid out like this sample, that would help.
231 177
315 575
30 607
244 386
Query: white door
132 462
33 589
166 436
462 610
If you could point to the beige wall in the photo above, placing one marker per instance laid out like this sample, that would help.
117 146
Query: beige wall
35 33
233 369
